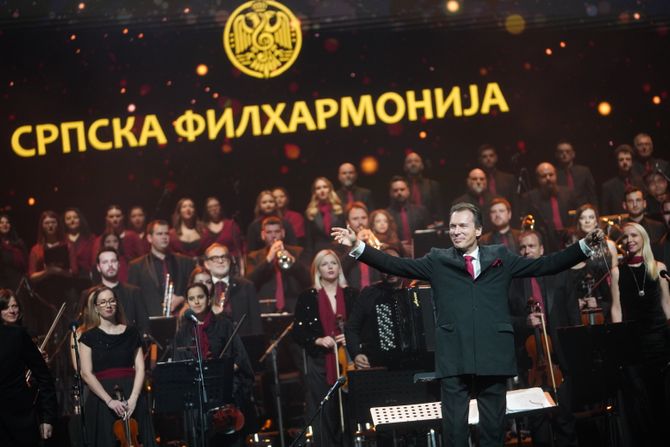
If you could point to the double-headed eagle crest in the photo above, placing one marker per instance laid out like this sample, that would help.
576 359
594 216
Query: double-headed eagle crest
262 38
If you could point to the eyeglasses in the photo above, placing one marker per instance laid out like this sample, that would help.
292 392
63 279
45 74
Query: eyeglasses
107 303
222 258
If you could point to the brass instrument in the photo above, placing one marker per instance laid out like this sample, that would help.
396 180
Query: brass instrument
372 240
167 296
528 222
284 259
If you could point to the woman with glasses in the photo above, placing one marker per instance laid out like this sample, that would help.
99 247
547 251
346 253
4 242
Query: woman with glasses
111 355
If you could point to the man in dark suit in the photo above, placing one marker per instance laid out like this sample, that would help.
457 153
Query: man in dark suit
18 415
130 297
408 217
549 203
657 193
636 205
349 191
477 194
498 183
500 214
149 272
233 295
662 248
577 178
474 351
645 162
423 191
358 274
613 189
556 300
281 283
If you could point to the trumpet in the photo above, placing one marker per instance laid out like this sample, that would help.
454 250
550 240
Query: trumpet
372 239
167 296
284 259
528 222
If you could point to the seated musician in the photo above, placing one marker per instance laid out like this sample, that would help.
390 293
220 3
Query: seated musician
214 332
317 330
553 296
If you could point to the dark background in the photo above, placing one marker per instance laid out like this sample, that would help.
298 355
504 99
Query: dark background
348 50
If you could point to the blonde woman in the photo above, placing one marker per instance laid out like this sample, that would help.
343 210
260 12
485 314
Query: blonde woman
320 314
323 212
640 295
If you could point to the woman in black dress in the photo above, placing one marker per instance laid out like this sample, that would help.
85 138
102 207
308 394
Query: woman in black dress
111 355
214 332
319 316
640 295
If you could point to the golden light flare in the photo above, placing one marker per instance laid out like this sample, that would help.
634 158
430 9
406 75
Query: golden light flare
31 201
604 108
369 165
202 69
656 100
453 6
515 24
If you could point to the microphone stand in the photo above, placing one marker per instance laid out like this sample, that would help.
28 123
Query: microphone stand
202 391
272 349
80 385
336 386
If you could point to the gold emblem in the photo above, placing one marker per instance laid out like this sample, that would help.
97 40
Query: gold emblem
262 38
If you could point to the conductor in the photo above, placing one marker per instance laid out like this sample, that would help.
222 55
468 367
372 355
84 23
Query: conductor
474 351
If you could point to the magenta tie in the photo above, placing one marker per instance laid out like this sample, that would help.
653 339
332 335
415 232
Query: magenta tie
556 214
469 266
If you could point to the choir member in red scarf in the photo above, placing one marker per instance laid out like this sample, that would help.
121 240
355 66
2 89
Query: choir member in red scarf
323 212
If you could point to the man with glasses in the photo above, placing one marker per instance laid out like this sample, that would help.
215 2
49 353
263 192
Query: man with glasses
149 272
233 295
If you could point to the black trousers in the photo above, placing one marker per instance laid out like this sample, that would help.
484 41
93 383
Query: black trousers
491 399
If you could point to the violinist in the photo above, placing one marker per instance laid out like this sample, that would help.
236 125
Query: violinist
316 330
111 355
560 309
214 331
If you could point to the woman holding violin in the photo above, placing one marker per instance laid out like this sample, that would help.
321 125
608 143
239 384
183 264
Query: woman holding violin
319 314
214 332
111 356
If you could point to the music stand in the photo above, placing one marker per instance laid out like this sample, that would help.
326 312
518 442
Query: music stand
163 330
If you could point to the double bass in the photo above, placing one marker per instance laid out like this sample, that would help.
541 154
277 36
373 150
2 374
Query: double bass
543 371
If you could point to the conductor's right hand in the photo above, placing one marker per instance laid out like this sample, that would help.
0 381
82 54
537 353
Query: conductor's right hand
344 236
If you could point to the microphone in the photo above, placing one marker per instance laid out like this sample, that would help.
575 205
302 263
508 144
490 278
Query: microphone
664 274
73 326
190 315
338 383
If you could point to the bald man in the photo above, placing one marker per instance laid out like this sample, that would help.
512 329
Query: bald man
349 191
549 204
423 191
477 193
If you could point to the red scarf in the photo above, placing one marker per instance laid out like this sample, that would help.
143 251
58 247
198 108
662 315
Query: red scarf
325 210
202 334
635 260
329 323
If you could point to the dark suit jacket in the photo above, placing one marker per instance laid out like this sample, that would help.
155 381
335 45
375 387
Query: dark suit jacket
141 273
654 228
562 310
352 271
360 195
474 333
17 354
417 216
505 184
585 186
612 196
484 206
640 167
315 238
495 238
262 274
662 249
242 295
540 208
431 197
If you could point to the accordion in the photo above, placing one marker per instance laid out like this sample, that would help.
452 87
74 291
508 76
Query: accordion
406 321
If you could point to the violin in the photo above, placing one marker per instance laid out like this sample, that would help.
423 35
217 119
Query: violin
543 372
591 315
227 419
344 361
125 429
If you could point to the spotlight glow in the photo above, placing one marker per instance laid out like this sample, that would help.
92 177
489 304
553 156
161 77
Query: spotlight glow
453 6
369 165
515 24
656 100
201 69
604 108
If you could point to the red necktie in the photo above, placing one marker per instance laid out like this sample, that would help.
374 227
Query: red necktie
503 237
556 214
280 301
626 181
492 184
365 274
647 167
481 200
570 180
469 266
416 192
350 197
537 292
406 233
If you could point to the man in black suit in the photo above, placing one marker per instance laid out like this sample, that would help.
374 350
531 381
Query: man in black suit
477 194
130 297
423 191
657 193
149 272
264 271
613 189
645 162
498 183
358 275
662 248
18 415
556 300
636 205
577 178
474 351
349 191
233 295
408 217
500 214
549 203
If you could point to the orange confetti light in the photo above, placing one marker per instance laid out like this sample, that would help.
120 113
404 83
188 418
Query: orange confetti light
226 148
637 16
563 44
201 69
515 24
453 6
548 52
292 151
31 201
125 31
604 108
423 134
131 108
656 100
73 37
123 90
81 6
369 165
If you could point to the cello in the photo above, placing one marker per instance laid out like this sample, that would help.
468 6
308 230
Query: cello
125 429
543 371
